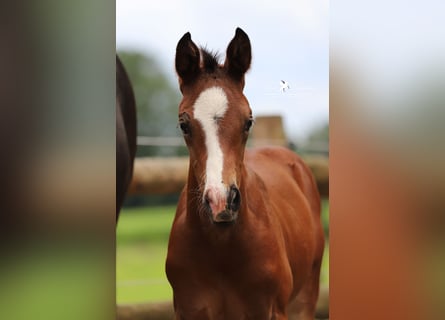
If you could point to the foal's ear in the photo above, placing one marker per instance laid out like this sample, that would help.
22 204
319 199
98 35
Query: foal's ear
238 56
187 59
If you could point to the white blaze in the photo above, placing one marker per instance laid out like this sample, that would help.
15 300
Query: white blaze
208 108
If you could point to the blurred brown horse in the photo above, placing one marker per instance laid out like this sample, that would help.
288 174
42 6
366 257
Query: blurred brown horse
247 239
125 133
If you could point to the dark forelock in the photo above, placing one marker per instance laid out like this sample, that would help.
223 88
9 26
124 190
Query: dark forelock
210 60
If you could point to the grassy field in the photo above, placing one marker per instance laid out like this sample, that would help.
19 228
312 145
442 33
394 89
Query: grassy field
142 237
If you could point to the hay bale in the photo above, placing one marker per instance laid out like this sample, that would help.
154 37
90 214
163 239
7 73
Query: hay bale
169 175
267 131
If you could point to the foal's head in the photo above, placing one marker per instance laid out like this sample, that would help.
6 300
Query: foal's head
215 119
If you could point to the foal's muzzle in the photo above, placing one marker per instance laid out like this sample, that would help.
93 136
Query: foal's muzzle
224 210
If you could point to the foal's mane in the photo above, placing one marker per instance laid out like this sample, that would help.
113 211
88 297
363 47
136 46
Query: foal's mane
209 60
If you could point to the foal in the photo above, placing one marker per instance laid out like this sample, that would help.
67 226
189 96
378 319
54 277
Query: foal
247 239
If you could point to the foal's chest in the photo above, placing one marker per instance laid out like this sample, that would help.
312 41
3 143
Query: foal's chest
240 285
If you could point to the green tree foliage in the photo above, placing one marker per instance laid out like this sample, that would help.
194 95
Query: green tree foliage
157 101
317 142
320 134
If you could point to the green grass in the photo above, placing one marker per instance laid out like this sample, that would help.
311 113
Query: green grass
324 274
142 238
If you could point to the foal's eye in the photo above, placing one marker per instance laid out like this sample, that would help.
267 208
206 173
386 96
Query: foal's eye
185 127
248 124
184 123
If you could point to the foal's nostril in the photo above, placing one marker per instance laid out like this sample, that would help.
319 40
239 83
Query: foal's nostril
234 199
